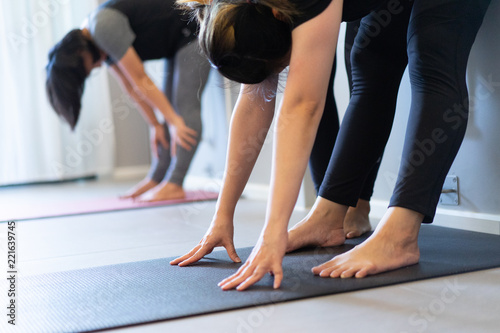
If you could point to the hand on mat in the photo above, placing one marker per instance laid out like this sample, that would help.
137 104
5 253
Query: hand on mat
158 138
182 135
215 236
266 257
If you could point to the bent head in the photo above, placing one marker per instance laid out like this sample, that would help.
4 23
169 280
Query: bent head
244 39
70 63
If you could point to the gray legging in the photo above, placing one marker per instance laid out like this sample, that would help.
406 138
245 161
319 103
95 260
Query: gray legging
185 79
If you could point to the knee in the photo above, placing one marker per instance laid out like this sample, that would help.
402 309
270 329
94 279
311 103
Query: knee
434 64
426 67
370 68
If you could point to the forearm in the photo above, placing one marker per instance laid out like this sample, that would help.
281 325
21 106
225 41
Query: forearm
149 94
249 126
294 137
146 110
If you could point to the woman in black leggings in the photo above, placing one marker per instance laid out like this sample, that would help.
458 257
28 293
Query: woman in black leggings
432 37
434 40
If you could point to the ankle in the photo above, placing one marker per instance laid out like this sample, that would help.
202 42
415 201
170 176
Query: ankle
363 206
172 186
328 212
400 225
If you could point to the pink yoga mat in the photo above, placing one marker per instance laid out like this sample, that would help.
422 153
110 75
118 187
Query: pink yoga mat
23 211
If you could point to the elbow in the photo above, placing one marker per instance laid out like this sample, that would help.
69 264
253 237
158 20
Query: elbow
307 109
142 81
312 108
142 84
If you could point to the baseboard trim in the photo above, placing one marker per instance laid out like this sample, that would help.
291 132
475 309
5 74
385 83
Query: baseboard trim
252 191
471 221
130 172
487 223
256 191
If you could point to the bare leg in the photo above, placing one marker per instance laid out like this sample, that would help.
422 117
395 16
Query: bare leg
394 244
356 221
323 226
164 191
142 187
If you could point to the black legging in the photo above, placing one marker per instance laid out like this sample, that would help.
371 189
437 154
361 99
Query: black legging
329 125
435 37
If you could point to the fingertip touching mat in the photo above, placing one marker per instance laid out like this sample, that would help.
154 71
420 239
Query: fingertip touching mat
22 211
149 291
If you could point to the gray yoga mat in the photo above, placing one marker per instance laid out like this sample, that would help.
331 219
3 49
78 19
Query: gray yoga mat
148 291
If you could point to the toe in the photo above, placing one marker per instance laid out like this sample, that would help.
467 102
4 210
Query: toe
325 273
352 234
348 273
361 273
336 273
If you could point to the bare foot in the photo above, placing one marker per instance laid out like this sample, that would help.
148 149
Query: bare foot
142 187
164 191
321 227
356 221
393 245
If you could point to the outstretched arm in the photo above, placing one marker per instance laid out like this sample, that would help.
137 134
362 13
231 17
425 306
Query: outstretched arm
157 131
314 44
133 70
249 126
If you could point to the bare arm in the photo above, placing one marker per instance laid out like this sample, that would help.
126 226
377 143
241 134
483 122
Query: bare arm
146 110
314 44
157 131
133 70
249 126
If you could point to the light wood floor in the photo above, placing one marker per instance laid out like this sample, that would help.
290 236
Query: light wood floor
462 303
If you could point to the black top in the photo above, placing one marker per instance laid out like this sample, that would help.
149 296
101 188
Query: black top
159 29
352 9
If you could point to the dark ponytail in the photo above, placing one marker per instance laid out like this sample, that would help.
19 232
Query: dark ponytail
243 39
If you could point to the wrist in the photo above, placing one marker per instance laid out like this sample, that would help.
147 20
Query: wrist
274 232
171 119
223 218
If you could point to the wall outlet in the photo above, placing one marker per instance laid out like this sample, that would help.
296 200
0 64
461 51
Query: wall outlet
450 194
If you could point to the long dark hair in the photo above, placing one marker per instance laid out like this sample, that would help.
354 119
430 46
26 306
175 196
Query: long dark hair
66 74
243 39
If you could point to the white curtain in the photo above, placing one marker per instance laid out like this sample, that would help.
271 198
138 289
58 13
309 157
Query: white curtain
35 145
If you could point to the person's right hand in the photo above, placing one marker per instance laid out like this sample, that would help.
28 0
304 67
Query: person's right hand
217 235
157 135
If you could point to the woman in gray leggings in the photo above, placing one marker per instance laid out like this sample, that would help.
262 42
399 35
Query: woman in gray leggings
185 78
124 34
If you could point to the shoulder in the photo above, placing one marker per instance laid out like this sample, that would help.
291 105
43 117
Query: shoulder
105 20
110 29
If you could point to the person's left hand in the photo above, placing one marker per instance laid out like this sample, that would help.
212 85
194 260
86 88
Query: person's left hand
181 134
157 134
266 257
